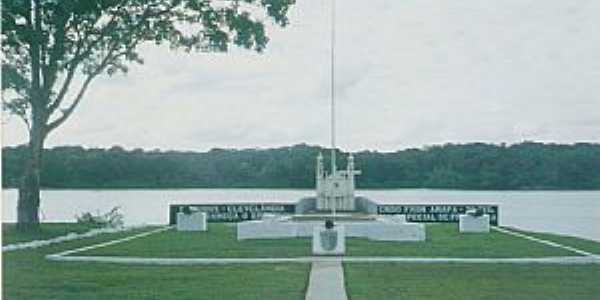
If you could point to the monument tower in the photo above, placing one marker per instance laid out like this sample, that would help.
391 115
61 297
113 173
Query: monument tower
335 190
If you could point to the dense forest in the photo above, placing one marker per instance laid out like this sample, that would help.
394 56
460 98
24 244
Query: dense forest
469 166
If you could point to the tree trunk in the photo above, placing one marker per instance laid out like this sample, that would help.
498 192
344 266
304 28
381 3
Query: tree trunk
28 205
29 190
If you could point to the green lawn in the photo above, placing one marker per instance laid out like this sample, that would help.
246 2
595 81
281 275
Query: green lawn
27 275
46 231
443 240
219 241
471 281
578 243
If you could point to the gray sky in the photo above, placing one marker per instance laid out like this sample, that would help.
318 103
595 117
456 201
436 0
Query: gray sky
410 73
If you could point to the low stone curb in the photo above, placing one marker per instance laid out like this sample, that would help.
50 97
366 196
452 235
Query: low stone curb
65 238
587 257
565 260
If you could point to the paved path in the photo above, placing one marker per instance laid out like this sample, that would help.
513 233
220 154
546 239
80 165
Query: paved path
326 281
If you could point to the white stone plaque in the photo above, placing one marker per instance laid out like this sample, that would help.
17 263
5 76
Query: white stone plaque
195 221
329 241
469 223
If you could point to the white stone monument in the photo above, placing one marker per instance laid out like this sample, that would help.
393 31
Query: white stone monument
473 221
395 228
195 221
335 191
329 241
269 227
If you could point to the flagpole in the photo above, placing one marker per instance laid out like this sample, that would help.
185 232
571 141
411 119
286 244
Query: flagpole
333 164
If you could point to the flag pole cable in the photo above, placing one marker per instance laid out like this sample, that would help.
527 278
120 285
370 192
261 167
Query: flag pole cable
332 58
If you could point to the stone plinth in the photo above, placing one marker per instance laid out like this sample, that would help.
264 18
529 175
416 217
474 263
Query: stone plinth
266 230
392 228
329 241
468 223
382 229
195 221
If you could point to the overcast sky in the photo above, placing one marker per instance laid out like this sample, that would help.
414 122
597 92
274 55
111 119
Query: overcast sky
410 73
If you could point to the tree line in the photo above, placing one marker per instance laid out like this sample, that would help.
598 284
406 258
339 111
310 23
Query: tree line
523 166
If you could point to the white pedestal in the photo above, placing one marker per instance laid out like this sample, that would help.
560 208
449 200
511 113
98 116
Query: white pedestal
396 232
265 230
329 241
191 222
468 223
393 219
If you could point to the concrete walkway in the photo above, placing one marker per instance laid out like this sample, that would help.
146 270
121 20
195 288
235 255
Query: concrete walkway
326 281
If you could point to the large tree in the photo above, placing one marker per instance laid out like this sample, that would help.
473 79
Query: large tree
53 49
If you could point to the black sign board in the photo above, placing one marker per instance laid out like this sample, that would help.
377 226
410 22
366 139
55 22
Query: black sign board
436 212
231 212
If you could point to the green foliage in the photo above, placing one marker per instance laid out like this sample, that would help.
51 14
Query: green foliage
470 166
47 43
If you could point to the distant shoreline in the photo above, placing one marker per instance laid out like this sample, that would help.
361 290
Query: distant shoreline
304 189
520 167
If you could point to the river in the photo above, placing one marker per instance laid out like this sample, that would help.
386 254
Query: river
575 213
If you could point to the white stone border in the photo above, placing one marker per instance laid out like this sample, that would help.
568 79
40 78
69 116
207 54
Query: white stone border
65 256
65 238
113 242
561 260
545 242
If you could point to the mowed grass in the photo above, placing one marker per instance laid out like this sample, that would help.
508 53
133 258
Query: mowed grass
46 231
27 274
443 240
578 243
471 281
219 241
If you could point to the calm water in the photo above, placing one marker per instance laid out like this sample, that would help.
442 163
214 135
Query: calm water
572 213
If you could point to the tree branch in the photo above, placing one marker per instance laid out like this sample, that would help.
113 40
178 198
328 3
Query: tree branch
34 22
25 120
103 32
17 106
50 70
80 55
66 83
68 111
111 57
